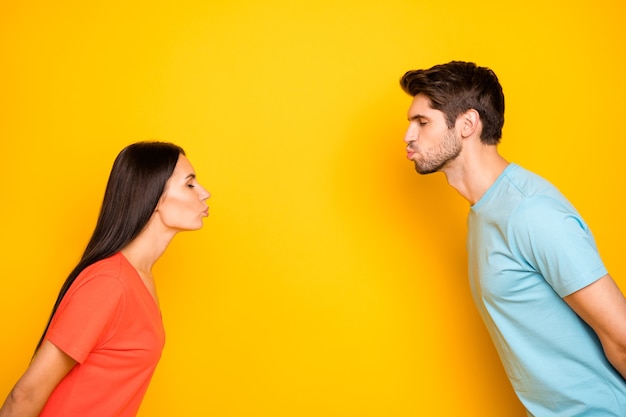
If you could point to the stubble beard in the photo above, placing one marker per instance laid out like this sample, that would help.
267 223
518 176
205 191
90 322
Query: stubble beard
435 160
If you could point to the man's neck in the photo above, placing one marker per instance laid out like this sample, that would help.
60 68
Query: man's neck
475 170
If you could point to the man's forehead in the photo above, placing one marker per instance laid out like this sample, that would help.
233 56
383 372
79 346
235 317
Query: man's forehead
421 101
421 106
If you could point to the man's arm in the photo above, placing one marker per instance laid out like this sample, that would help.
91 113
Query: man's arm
31 392
603 307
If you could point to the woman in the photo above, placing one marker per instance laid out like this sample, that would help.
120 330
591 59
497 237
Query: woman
105 335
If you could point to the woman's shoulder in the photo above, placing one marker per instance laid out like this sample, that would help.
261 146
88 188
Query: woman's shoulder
112 267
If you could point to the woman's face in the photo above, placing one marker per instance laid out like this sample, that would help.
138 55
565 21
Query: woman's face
183 203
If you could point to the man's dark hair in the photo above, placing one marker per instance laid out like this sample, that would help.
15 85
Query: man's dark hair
457 87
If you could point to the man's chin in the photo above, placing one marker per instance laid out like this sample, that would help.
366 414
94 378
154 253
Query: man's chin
425 171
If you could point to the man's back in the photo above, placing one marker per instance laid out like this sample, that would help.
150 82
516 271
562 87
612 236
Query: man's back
528 248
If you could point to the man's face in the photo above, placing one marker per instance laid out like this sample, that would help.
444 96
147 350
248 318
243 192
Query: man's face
431 144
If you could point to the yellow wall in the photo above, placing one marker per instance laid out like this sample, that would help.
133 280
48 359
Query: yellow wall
329 279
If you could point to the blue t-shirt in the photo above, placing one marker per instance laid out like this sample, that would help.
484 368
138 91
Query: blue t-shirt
528 248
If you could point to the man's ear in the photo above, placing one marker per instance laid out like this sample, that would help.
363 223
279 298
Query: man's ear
469 123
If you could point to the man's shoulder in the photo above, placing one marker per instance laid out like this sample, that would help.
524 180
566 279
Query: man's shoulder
531 184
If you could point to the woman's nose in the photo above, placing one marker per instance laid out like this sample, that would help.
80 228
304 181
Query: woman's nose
204 194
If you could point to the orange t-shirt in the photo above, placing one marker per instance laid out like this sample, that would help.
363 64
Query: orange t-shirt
111 325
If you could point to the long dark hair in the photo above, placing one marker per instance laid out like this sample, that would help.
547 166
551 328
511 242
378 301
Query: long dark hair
135 185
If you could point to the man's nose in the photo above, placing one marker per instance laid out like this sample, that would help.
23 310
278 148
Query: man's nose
410 135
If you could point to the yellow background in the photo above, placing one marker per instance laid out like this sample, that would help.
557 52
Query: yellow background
329 279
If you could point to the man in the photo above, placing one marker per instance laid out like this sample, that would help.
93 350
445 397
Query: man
556 316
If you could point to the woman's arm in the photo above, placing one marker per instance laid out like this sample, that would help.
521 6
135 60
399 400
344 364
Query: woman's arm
32 390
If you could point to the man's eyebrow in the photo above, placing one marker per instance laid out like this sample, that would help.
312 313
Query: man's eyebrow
417 116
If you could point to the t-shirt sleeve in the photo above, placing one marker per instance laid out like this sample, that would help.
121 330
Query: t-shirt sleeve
86 316
554 240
